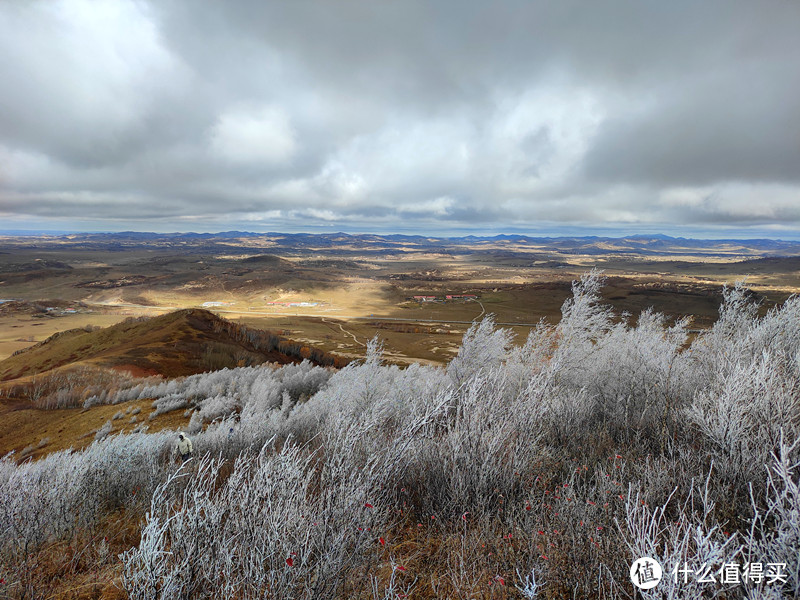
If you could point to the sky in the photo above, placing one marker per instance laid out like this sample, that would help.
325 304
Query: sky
427 116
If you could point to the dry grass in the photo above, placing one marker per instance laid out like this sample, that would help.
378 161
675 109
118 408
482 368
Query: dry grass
85 567
519 282
19 331
72 428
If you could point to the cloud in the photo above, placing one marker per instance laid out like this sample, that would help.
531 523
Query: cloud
82 81
733 204
433 115
261 136
738 124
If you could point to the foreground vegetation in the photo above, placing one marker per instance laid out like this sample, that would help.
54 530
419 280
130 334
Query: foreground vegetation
534 471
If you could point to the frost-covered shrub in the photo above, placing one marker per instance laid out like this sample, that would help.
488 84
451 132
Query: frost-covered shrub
270 530
66 493
267 395
168 404
746 414
740 337
677 538
382 395
104 430
302 380
470 458
637 364
635 374
525 362
251 391
123 469
93 401
584 323
78 385
483 347
210 409
775 529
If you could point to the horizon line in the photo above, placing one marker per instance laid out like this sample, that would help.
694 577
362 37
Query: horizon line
726 236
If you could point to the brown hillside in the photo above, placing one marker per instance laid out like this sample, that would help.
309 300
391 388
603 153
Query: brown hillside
35 420
179 343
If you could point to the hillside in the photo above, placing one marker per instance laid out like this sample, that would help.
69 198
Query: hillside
179 343
43 388
534 473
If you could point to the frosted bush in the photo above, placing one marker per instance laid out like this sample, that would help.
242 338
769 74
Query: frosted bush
168 404
212 408
483 347
637 374
687 540
255 391
267 531
266 396
745 416
527 361
740 337
104 430
584 321
775 530
469 459
93 401
302 380
65 493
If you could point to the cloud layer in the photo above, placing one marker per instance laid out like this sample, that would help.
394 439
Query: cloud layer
179 114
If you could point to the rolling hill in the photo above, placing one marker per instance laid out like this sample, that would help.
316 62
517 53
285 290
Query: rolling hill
178 343
43 388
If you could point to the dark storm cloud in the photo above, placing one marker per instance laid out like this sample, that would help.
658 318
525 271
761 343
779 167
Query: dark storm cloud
511 113
724 130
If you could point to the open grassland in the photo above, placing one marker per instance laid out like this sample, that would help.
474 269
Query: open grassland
33 432
338 291
19 331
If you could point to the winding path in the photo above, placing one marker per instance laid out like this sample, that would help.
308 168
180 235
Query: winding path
344 331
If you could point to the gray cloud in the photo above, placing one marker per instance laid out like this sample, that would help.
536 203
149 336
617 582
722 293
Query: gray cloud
435 115
741 124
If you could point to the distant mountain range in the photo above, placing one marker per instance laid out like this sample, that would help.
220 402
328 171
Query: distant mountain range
298 243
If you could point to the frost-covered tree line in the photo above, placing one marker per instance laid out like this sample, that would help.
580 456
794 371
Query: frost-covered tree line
73 386
535 470
248 393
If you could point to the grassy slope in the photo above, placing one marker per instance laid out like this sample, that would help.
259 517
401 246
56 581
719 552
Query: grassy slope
173 344
47 431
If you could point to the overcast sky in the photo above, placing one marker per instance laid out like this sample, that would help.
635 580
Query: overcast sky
401 115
